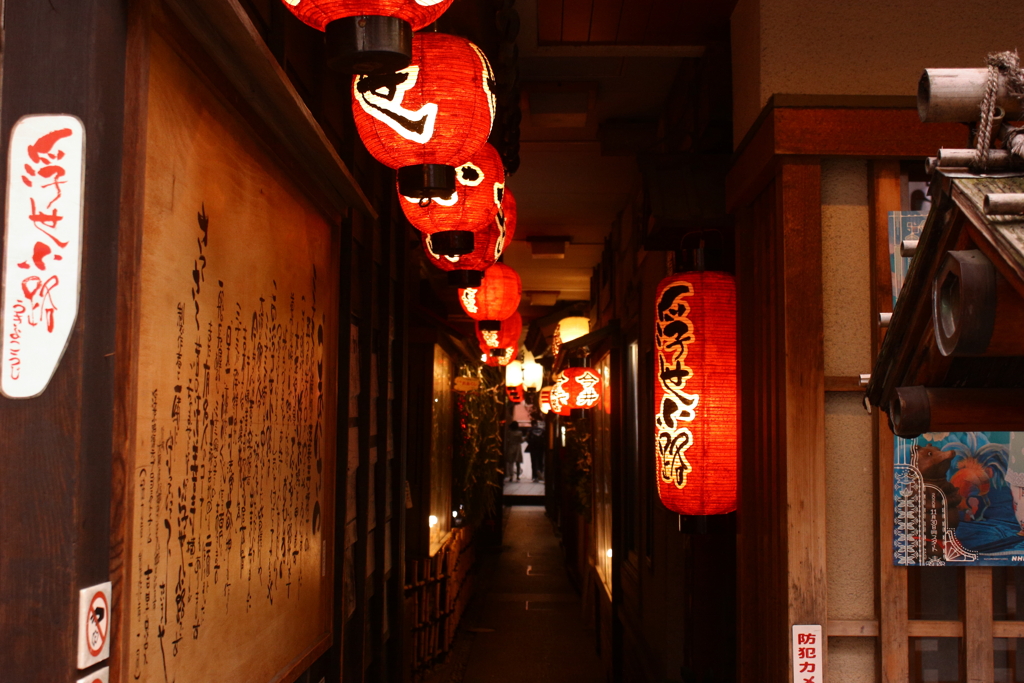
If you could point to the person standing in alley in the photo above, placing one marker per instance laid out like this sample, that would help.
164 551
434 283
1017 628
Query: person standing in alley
536 445
513 450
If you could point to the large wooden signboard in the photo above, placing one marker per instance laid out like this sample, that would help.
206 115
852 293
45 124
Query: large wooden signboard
227 567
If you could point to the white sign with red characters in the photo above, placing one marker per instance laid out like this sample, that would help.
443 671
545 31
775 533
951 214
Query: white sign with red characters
807 654
101 676
42 249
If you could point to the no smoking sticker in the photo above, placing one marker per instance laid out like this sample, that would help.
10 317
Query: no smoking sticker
93 627
101 676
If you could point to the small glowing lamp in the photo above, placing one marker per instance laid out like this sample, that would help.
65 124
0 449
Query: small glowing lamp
514 374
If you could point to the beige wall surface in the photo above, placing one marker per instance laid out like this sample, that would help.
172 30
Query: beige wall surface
857 47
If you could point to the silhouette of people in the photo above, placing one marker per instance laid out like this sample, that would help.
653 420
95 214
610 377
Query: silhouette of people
536 446
513 450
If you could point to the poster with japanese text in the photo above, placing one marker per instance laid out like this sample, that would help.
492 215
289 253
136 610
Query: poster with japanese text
956 494
227 572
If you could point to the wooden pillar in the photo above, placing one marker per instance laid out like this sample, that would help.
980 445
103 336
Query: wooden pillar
894 660
55 471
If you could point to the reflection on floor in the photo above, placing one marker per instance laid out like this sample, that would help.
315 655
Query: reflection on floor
525 486
525 623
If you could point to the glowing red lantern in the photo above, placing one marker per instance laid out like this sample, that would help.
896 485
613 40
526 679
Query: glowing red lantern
451 221
505 336
495 299
559 395
695 393
466 270
430 117
582 386
515 394
368 36
498 361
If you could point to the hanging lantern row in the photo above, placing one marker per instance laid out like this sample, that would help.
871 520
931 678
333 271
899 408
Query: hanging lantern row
466 270
695 393
368 36
429 118
495 299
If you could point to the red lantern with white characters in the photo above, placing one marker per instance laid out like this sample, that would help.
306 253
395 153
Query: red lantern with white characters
496 299
488 357
695 393
583 387
544 401
427 119
368 36
515 394
466 270
505 336
559 395
479 187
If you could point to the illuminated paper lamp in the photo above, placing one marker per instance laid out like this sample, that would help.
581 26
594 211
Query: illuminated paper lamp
496 299
545 400
466 270
695 393
368 36
559 396
582 386
430 117
514 374
507 335
451 221
567 330
533 373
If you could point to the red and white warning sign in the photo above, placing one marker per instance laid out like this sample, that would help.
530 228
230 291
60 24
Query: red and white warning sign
93 625
101 676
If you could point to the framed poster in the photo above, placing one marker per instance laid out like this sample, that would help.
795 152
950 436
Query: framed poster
229 493
955 494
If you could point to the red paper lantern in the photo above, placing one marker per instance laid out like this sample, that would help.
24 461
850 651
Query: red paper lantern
429 118
368 36
479 186
559 396
467 269
582 386
498 361
695 393
495 299
505 336
515 394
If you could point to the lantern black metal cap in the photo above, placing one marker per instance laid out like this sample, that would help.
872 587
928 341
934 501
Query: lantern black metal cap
465 278
368 44
426 181
490 326
452 242
497 353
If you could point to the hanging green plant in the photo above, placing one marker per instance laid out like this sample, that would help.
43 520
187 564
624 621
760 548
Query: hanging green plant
577 467
476 469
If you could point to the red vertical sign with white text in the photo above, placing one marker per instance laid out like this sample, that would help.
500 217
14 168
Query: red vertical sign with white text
42 249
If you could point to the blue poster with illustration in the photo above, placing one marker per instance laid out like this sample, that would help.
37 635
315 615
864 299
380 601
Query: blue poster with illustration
957 495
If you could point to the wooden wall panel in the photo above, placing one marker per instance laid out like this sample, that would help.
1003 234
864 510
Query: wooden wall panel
55 468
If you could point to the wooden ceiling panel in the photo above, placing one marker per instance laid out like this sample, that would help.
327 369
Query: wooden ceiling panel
604 22
549 21
633 23
576 20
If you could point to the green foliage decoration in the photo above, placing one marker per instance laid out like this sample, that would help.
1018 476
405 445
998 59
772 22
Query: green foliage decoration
476 470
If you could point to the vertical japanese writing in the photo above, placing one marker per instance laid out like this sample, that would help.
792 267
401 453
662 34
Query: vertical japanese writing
43 236
228 494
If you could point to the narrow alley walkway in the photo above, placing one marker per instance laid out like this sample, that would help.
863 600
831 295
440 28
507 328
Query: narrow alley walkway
526 624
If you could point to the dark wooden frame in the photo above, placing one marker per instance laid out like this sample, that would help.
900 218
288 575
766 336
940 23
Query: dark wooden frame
774 189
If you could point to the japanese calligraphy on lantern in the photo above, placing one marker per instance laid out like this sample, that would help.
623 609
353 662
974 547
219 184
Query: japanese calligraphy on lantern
42 249
807 659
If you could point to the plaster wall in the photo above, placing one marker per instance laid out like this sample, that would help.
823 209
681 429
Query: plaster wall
857 47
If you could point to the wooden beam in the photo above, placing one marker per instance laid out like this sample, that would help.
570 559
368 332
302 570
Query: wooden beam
935 629
866 628
978 624
894 660
834 383
803 381
1008 629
